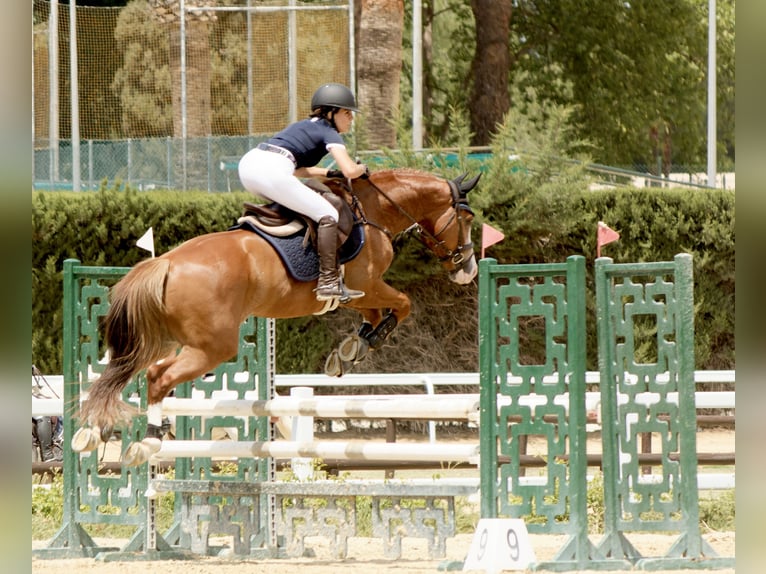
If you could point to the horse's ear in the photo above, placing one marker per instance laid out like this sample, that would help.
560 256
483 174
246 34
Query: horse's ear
459 179
466 186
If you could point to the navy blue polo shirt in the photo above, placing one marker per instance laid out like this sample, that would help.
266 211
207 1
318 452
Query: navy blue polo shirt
307 140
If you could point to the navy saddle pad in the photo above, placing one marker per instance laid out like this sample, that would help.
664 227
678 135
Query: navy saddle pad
303 262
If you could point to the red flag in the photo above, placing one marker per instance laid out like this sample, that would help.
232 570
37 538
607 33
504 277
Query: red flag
489 236
605 235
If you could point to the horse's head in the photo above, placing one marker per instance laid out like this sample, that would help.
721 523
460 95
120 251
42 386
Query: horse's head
434 209
450 239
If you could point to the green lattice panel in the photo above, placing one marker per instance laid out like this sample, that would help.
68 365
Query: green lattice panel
646 363
647 373
519 301
532 356
228 376
115 498
118 497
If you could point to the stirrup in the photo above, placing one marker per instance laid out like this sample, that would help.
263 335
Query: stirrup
342 293
349 294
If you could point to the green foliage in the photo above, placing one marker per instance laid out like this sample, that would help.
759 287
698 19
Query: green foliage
303 345
718 512
655 225
48 512
541 203
530 190
446 70
595 498
47 507
628 68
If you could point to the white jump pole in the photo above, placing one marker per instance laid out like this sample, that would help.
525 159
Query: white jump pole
420 407
343 450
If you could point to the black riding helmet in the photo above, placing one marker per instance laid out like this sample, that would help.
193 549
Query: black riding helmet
333 96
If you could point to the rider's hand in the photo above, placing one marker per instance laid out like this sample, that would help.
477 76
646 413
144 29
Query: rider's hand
366 173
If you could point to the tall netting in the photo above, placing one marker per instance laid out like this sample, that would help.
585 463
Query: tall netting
250 67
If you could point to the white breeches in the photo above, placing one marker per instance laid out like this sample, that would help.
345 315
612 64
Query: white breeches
270 176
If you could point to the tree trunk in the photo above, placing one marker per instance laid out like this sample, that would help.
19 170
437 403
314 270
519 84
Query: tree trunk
490 98
379 67
428 79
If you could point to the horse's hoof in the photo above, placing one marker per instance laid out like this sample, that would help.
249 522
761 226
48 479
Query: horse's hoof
85 440
140 452
153 444
353 349
135 454
333 366
349 348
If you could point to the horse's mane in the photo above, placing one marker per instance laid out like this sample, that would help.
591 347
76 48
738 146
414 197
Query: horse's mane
402 171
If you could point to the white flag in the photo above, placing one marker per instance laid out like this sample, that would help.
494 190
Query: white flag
147 241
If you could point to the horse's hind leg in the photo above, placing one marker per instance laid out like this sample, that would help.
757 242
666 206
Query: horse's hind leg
162 377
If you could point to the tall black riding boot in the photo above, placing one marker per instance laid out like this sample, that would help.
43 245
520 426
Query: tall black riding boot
330 286
45 437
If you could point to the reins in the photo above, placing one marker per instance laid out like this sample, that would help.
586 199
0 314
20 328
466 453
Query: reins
432 241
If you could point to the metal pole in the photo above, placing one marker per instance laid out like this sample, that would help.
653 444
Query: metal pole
352 64
351 49
711 97
75 95
292 64
417 74
53 87
183 91
249 70
130 160
90 164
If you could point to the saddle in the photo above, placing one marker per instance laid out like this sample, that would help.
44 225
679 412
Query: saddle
280 221
293 236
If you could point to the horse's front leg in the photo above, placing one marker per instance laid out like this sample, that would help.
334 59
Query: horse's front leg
375 328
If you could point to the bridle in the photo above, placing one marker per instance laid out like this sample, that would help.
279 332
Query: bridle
431 240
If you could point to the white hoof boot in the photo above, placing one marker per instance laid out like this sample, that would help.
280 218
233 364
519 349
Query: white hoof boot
139 452
349 348
333 366
86 439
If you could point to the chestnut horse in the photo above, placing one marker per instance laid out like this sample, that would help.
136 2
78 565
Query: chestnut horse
196 296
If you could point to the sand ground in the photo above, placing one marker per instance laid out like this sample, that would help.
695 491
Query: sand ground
365 555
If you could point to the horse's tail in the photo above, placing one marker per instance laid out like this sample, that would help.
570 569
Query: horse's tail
136 336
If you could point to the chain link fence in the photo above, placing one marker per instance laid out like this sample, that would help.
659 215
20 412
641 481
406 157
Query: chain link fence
169 91
149 163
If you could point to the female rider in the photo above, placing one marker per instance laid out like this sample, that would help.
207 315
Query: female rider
271 170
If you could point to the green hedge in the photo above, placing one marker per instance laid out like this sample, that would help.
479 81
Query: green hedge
543 222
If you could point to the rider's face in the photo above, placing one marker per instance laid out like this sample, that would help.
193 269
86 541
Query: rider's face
343 119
